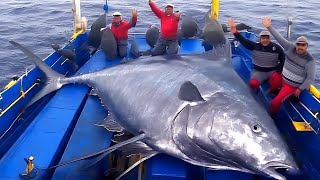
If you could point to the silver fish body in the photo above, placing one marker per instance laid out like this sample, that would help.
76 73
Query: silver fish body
229 130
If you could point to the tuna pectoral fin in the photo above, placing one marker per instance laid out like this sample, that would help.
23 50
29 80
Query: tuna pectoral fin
135 148
101 154
145 157
53 78
189 92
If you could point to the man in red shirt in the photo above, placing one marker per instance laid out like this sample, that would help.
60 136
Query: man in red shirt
169 29
120 28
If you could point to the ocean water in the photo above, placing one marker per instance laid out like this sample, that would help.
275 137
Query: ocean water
38 24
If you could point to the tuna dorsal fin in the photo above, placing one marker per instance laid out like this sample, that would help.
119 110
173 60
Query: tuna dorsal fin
189 92
110 124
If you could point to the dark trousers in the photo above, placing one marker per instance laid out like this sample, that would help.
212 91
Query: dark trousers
163 43
122 47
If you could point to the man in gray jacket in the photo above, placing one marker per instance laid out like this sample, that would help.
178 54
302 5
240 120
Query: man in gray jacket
299 67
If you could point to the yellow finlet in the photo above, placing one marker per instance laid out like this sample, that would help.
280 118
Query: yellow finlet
301 126
214 9
314 91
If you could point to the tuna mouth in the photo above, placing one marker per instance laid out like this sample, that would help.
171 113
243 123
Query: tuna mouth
279 165
271 167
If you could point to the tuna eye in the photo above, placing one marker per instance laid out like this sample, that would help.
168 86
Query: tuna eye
256 128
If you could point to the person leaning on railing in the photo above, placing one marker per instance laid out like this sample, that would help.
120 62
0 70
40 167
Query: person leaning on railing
299 67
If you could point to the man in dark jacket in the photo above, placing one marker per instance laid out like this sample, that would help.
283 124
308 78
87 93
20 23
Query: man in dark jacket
267 58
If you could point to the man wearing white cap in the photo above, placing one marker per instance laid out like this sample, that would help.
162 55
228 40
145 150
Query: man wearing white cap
268 58
298 70
120 28
169 29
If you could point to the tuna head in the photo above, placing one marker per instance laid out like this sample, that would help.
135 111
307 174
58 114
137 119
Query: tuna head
109 44
213 32
189 28
152 35
236 134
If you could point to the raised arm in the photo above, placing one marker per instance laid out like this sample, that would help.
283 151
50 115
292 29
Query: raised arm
281 40
134 18
156 10
244 41
178 15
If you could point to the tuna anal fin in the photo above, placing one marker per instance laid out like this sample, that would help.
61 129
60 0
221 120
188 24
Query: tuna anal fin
189 92
110 124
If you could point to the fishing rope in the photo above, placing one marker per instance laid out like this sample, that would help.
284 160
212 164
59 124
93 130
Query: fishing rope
15 120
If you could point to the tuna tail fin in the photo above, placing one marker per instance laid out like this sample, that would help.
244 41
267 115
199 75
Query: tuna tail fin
53 82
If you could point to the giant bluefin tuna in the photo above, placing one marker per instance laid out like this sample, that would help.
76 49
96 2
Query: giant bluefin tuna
69 54
109 44
95 34
152 35
213 34
189 28
188 107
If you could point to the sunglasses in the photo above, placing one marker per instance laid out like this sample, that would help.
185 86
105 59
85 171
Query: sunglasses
301 44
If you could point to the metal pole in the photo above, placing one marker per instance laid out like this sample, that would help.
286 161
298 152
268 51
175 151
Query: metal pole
106 8
289 27
76 15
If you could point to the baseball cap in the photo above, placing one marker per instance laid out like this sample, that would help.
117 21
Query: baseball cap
169 5
264 33
302 40
116 14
